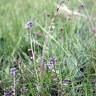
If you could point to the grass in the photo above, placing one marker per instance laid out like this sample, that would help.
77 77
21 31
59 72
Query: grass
69 39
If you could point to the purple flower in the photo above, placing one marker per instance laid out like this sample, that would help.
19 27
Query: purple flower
31 54
42 61
13 71
8 93
52 63
29 25
66 82
53 60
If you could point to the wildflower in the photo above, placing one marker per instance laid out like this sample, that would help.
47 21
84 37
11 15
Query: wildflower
13 71
31 54
29 25
66 82
53 61
8 93
42 61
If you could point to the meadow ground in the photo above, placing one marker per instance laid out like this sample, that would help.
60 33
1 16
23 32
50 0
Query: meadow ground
47 50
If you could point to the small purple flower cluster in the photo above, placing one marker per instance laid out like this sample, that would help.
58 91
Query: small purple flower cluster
13 71
66 82
42 61
29 25
52 63
9 93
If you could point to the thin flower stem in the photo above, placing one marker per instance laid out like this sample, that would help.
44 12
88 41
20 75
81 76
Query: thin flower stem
14 86
49 30
33 55
30 40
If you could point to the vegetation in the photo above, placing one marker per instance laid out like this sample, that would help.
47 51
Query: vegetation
47 48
